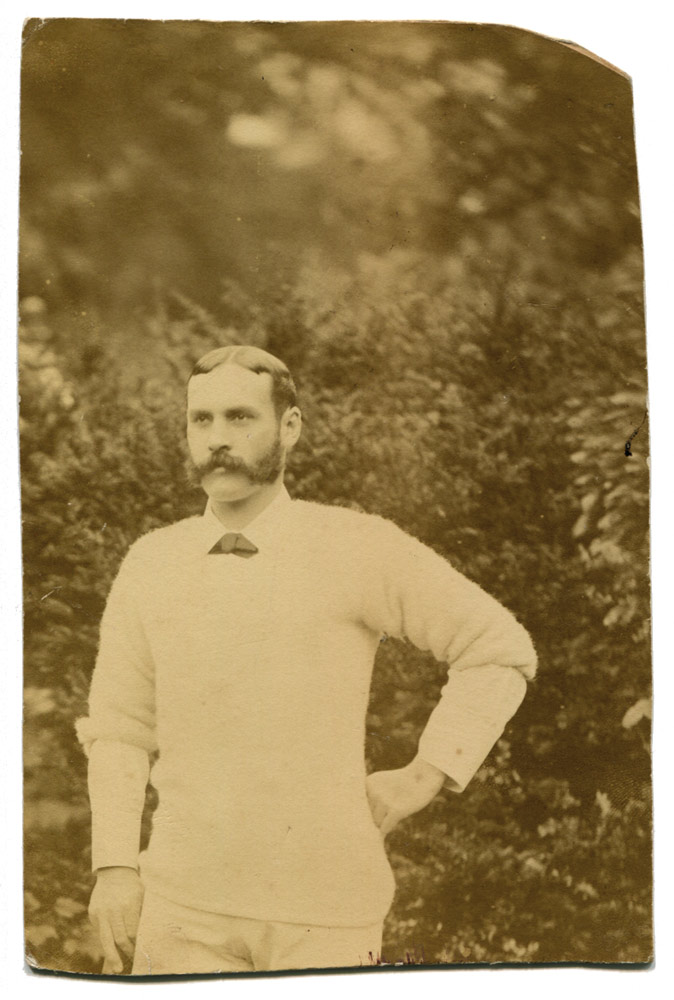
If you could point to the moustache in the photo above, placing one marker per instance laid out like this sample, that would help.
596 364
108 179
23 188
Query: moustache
221 460
266 469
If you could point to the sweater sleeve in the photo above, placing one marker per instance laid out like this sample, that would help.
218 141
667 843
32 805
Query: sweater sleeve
119 732
414 593
118 776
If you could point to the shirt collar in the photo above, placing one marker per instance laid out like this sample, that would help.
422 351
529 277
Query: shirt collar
261 531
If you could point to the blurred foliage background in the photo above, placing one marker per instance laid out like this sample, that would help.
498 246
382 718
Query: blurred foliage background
437 227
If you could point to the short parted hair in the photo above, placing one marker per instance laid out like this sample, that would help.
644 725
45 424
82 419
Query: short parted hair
283 391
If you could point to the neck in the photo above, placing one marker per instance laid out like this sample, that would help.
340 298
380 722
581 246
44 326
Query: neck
236 514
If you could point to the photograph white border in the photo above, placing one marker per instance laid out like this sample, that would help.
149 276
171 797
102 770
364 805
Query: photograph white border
637 41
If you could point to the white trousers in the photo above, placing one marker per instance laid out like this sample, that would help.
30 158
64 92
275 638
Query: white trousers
174 940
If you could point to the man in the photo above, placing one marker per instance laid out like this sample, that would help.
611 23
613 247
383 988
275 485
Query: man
240 646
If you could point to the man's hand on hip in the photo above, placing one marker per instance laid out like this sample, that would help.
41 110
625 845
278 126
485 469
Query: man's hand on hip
394 795
114 910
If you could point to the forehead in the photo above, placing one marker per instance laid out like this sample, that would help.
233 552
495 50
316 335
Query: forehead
227 386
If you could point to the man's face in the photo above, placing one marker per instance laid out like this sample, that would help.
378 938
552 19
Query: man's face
233 432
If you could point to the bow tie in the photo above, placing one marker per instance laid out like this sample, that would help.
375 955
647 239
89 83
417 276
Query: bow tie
236 543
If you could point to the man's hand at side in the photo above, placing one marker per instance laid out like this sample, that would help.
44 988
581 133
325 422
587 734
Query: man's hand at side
394 795
114 910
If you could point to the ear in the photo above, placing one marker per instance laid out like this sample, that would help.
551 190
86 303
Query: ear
291 427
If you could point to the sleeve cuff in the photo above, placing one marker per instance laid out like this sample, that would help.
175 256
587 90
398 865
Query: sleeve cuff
118 776
472 713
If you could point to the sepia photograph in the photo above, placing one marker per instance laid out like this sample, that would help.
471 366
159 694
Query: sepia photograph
334 445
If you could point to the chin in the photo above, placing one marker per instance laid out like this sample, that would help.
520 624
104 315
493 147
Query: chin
223 492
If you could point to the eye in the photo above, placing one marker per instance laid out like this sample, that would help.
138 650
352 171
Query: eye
200 418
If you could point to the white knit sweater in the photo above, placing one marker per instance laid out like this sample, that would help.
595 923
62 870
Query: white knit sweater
251 677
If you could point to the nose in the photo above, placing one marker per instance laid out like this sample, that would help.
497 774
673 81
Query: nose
219 436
